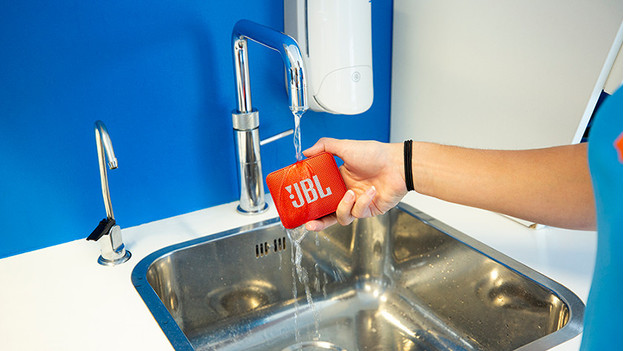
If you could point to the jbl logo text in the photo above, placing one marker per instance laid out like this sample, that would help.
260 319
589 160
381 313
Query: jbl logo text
307 191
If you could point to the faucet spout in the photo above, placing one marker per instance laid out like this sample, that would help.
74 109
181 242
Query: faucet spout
291 55
104 144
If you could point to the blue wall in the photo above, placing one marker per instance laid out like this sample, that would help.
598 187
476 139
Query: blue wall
160 75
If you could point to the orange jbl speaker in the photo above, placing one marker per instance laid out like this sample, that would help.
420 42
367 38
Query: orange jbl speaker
306 190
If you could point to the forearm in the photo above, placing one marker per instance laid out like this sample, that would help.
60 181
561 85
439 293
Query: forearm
550 186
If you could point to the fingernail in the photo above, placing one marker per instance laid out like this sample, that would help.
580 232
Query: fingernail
371 191
350 195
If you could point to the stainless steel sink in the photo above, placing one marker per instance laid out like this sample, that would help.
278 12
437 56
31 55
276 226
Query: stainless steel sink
401 281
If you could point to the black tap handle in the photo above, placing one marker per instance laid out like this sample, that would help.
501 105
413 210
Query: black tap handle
103 228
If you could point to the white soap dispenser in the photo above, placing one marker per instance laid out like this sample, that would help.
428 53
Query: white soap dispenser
335 39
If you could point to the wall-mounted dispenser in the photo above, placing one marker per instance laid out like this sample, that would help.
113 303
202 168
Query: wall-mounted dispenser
335 40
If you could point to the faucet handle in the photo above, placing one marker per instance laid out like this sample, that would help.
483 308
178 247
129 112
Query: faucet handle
277 137
112 249
103 228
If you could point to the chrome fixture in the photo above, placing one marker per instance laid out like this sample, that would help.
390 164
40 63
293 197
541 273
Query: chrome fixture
113 251
245 119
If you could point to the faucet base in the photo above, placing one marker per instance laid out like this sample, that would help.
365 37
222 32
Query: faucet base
263 209
113 262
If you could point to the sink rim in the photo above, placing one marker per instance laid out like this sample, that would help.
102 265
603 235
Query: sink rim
179 341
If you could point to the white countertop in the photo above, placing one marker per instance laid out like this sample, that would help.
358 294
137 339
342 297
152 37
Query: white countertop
59 298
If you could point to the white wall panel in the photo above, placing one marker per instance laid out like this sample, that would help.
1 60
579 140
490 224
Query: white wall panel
499 73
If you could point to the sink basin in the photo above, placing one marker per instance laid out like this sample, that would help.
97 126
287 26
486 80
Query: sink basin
401 281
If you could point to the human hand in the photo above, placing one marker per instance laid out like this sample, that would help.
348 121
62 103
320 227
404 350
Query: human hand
374 176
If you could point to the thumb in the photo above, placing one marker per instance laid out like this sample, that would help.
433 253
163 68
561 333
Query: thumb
324 144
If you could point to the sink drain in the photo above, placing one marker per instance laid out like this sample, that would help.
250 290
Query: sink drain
314 346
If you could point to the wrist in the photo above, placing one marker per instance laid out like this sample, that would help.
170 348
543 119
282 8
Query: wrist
407 165
424 155
413 167
397 168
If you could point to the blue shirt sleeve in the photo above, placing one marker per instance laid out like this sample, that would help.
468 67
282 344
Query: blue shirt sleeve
603 315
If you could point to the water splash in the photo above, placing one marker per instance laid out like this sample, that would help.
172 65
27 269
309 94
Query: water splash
294 288
296 236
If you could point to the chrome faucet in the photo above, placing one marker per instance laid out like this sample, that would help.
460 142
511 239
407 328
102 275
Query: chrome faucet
245 119
113 251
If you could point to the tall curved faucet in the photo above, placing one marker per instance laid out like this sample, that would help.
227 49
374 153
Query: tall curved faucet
112 248
245 118
104 143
